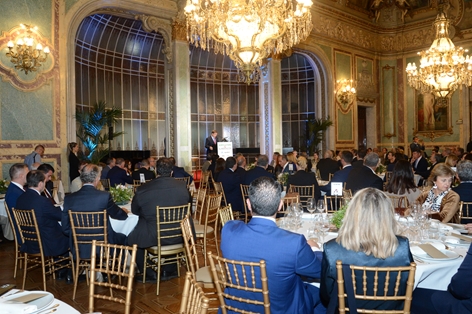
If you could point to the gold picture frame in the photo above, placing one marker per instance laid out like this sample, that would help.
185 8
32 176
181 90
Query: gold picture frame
433 117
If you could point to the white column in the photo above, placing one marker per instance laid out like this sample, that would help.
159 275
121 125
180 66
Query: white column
270 100
182 130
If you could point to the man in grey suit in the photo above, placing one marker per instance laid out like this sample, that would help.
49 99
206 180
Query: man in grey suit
162 191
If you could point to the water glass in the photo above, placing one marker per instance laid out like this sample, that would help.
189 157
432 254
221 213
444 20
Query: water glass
320 206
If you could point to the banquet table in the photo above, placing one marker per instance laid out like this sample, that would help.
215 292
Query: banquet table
57 306
429 274
7 231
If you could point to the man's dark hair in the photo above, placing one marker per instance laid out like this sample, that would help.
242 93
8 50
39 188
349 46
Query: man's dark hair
16 169
361 153
416 151
164 167
89 173
109 161
34 177
230 162
119 161
347 156
46 168
39 146
262 160
172 159
264 195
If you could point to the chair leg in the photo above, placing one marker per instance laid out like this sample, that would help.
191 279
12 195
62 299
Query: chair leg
16 260
145 265
25 270
158 273
51 267
76 278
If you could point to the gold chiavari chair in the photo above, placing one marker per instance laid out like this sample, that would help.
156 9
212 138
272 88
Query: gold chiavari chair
19 257
206 231
400 203
199 205
225 214
219 190
241 276
304 192
465 212
105 183
333 203
184 179
205 181
244 194
372 280
288 200
193 298
168 230
112 260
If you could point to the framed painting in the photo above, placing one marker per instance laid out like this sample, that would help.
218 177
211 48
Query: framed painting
432 115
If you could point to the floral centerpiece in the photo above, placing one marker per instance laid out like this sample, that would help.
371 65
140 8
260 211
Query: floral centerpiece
283 178
381 169
338 216
4 186
251 166
121 194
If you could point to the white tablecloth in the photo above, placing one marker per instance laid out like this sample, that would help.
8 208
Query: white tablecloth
63 307
125 226
429 275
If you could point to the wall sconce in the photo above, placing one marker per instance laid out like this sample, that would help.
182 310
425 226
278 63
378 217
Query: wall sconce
27 54
345 91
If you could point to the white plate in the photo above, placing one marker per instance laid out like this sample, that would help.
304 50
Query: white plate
40 303
450 256
454 241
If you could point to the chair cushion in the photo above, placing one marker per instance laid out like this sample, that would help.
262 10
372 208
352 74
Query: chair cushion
203 275
153 249
200 229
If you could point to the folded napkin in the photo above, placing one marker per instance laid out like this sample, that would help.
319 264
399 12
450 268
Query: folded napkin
432 251
417 250
465 238
12 307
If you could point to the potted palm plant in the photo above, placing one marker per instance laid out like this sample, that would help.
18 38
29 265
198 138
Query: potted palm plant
315 130
91 124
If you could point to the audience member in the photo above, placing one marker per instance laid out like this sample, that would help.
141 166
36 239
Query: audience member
442 201
111 162
18 174
35 156
74 161
288 255
48 172
118 174
365 177
402 182
54 242
241 169
163 191
76 184
179 172
260 170
341 175
143 174
359 162
327 165
371 243
303 178
464 189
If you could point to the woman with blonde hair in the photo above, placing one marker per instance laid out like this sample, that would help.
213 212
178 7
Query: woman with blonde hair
303 178
367 237
442 201
292 160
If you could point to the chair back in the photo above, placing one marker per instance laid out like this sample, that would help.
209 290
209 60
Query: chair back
213 203
388 175
225 214
400 203
388 287
334 203
105 183
465 212
305 192
200 202
219 190
288 200
186 180
29 230
245 195
168 223
232 276
193 298
17 238
86 227
204 183
190 246
112 260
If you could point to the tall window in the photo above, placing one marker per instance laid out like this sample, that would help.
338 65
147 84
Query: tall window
118 62
298 100
220 102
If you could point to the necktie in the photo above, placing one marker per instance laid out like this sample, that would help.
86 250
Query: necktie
214 140
48 196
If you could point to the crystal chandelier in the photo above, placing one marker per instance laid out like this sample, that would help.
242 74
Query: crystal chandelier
443 67
27 56
248 31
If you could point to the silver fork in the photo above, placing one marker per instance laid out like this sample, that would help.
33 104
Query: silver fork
50 309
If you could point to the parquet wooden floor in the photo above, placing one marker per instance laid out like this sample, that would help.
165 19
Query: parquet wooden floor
144 299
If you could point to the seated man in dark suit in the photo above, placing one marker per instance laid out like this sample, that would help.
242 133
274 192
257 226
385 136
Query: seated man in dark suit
231 182
48 172
288 255
341 175
359 161
55 243
110 164
303 178
327 165
241 170
420 165
365 177
464 189
89 199
144 171
260 170
118 175
162 191
179 172
18 174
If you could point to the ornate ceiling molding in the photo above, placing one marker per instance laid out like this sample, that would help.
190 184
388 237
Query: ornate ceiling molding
162 26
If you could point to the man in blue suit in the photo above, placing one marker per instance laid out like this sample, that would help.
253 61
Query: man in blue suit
118 175
18 174
464 189
288 255
340 175
260 170
55 243
179 172
89 199
231 182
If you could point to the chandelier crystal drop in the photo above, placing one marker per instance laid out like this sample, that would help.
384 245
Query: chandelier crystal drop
248 31
443 67
25 55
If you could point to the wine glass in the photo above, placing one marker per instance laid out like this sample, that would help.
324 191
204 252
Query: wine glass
310 205
320 206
